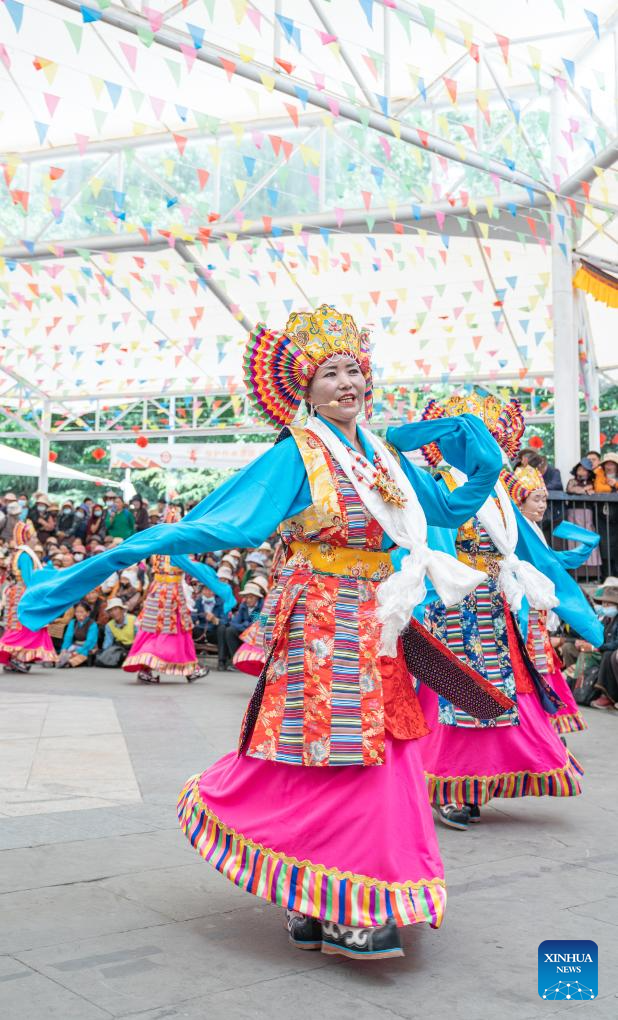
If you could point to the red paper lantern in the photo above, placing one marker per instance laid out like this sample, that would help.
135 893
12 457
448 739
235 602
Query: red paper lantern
53 456
602 439
615 439
142 442
535 442
99 453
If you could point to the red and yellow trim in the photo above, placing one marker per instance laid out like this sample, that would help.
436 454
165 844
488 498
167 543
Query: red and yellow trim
601 286
312 889
562 782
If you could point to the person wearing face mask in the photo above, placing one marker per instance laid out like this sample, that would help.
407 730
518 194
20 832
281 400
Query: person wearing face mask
40 506
607 679
66 518
95 528
80 524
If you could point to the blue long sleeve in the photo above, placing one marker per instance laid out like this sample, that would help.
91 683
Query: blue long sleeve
243 513
206 575
67 638
587 540
26 568
465 443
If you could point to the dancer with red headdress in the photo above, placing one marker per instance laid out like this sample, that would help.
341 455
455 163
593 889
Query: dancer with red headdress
469 761
19 646
323 810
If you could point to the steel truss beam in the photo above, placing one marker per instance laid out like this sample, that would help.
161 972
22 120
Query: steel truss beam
253 71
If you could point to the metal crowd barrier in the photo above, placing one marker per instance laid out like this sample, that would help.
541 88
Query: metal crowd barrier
598 512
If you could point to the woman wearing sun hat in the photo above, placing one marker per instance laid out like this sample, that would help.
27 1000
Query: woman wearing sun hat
19 646
324 810
467 761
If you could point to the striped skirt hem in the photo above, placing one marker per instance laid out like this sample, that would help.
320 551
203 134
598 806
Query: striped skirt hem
324 893
568 722
564 782
27 654
134 662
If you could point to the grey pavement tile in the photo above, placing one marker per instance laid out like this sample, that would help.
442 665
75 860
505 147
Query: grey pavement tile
181 893
602 909
273 999
137 971
76 826
25 993
90 860
49 917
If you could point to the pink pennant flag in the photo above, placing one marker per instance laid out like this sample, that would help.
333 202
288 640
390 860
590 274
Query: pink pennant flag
51 102
82 142
130 53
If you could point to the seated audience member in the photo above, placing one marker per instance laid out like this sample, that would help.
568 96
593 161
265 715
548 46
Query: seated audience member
80 638
118 636
607 679
96 524
206 615
228 632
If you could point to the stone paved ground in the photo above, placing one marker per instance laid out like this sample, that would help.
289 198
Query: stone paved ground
105 911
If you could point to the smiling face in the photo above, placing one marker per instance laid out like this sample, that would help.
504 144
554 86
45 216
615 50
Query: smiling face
535 505
337 390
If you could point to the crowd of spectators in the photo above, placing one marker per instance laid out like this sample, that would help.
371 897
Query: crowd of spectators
101 628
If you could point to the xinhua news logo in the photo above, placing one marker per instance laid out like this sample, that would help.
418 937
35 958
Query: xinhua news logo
568 969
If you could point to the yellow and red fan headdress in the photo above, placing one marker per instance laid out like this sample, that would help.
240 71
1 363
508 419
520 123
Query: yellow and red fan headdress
522 482
506 422
22 532
278 367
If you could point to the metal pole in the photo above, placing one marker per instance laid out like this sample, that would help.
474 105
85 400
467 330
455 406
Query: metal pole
44 447
566 362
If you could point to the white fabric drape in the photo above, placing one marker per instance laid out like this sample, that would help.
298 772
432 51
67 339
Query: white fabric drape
400 593
516 578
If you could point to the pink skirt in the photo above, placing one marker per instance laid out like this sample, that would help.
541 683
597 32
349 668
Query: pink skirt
470 766
27 646
351 844
568 719
163 653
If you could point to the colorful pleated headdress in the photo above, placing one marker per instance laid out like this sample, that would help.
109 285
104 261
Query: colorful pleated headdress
522 482
23 531
278 367
506 422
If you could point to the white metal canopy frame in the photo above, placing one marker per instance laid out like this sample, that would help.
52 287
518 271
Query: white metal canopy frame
485 160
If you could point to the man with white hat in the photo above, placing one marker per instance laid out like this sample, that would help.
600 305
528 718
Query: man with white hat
247 612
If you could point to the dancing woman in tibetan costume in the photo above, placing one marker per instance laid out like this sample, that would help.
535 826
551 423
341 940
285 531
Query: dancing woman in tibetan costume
527 489
164 639
19 646
468 761
324 810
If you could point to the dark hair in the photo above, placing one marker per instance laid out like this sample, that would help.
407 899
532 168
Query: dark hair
595 453
538 461
84 605
589 473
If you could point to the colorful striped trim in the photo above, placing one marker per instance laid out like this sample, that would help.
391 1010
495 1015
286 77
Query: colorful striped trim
562 782
568 722
28 654
134 662
312 889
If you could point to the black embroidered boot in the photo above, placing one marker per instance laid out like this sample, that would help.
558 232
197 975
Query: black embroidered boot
361 943
305 932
